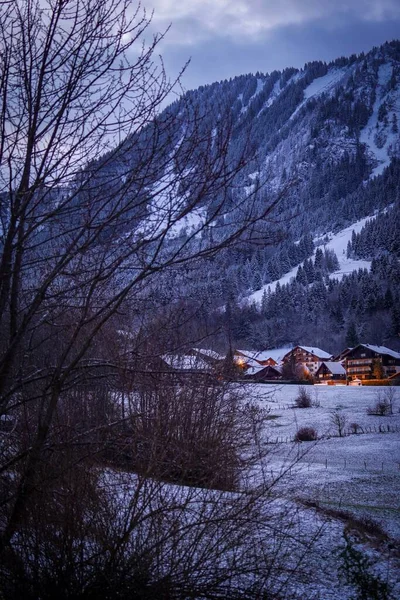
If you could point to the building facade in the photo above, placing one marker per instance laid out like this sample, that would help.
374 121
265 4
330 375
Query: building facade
366 361
309 358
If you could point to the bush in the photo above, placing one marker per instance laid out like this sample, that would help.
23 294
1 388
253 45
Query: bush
306 434
357 570
385 401
303 398
193 435
380 409
355 427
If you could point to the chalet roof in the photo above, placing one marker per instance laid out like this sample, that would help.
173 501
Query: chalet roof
342 355
334 367
316 351
276 354
253 363
382 350
257 368
208 352
186 362
246 353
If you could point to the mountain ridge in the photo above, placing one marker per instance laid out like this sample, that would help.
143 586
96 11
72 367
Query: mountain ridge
332 128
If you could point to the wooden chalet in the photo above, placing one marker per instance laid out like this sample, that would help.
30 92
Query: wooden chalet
366 361
331 371
307 357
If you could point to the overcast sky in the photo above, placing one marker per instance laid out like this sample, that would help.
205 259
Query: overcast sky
224 38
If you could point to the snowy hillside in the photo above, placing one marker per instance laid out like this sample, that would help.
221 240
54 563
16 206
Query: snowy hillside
325 140
381 135
338 243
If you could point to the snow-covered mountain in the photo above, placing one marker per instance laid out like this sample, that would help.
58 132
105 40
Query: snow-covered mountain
328 133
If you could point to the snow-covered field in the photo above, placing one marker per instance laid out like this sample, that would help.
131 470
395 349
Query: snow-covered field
321 491
356 475
359 473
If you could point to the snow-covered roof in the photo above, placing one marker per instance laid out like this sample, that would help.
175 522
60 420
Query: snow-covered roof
334 367
254 369
247 353
253 363
317 351
276 354
185 362
208 352
257 368
382 350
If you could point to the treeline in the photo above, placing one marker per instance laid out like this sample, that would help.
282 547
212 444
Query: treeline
379 235
329 313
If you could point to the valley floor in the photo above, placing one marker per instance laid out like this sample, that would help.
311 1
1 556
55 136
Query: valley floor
352 481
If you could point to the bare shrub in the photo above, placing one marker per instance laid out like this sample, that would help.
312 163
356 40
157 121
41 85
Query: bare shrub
380 409
316 402
146 539
303 398
384 402
91 532
354 427
192 434
306 434
390 396
338 420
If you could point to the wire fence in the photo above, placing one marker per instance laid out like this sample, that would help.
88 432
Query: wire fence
358 430
351 464
304 467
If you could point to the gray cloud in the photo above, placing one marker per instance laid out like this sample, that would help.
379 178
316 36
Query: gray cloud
195 21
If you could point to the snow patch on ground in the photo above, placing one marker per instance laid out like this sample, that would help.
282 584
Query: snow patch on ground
259 88
324 84
337 242
191 223
321 85
276 90
368 135
358 473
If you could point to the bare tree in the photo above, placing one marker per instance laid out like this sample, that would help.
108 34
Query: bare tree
94 185
85 224
339 421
